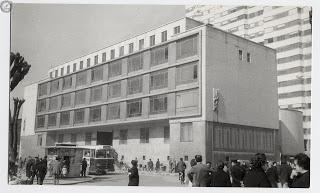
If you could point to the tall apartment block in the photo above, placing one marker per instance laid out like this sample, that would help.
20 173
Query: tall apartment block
151 96
288 31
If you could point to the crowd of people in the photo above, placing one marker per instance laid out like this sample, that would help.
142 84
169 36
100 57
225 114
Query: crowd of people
57 168
257 173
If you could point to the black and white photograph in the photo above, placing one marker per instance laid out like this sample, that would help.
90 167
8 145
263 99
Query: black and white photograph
193 94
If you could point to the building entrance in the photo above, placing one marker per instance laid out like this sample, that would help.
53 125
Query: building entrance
104 138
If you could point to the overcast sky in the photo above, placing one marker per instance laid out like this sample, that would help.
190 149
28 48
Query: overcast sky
51 34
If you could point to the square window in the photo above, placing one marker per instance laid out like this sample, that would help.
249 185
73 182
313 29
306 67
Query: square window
152 40
177 30
240 55
186 132
163 36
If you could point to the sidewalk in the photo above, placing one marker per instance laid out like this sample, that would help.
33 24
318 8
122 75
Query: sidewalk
66 181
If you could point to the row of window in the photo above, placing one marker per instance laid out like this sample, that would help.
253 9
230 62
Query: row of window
185 101
164 38
158 104
184 74
184 48
287 36
248 58
144 135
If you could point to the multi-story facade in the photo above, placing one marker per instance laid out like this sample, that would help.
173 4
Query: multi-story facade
151 96
288 31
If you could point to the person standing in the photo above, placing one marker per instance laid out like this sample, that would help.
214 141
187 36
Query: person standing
256 177
237 173
199 174
84 165
181 168
301 172
56 170
221 177
192 164
42 169
150 165
272 174
284 173
34 170
157 165
133 174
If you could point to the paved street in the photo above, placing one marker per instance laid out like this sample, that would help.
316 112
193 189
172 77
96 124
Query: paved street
145 180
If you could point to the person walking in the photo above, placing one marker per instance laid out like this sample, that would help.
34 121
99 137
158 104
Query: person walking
34 170
181 168
192 163
42 169
237 173
84 165
272 174
256 177
301 172
284 173
56 170
133 174
199 174
29 166
157 165
221 177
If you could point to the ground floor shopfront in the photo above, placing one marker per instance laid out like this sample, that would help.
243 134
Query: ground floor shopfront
165 140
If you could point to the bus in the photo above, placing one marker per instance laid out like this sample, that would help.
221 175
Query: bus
100 158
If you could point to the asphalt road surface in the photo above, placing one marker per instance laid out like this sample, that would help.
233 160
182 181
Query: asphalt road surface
145 180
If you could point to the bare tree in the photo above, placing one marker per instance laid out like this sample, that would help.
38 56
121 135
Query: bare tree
18 69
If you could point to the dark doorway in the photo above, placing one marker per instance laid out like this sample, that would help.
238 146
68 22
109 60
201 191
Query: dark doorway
104 138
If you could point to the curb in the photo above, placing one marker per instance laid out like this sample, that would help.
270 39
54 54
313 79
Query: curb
72 183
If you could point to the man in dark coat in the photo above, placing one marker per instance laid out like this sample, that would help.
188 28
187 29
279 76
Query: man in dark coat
284 173
272 174
221 178
133 174
157 165
181 168
256 177
84 165
199 174
29 165
237 173
302 171
34 170
42 169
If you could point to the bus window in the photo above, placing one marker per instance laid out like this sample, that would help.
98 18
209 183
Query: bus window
101 153
86 153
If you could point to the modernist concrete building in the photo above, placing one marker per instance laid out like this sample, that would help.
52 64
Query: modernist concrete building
287 30
151 96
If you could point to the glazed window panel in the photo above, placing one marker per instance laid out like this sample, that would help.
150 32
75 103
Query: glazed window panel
135 62
80 97
79 116
134 108
88 137
114 89
52 119
135 85
113 111
187 73
158 104
95 114
144 135
81 78
53 103
60 138
159 55
65 118
54 87
104 57
67 82
166 134
159 80
121 51
43 89
186 132
186 101
66 100
114 68
96 94
42 105
97 74
187 47
123 136
40 121
96 60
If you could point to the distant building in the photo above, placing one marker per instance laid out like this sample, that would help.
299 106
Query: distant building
151 96
287 29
